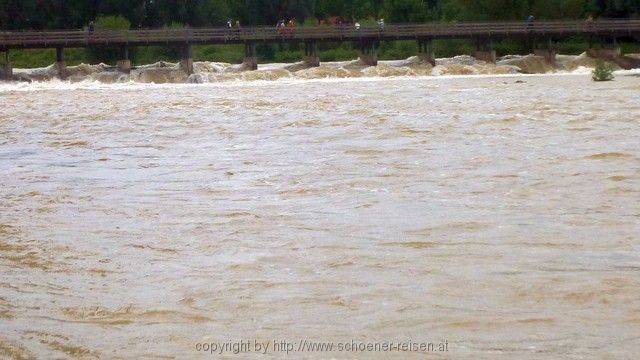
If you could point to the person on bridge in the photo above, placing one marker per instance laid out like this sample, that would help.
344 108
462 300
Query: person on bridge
357 25
589 22
229 30
530 21
280 26
91 26
381 25
291 27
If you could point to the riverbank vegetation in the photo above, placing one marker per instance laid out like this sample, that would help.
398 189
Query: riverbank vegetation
134 14
602 72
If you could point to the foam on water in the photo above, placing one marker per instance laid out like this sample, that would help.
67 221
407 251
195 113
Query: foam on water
163 74
210 72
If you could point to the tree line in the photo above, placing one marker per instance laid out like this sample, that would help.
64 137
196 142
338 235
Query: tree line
68 14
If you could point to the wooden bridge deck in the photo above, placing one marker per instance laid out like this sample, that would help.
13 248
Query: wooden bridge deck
489 30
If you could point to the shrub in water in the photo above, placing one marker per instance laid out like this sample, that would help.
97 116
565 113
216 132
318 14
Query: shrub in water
602 72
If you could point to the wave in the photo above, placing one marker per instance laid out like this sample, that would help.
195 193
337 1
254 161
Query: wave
215 72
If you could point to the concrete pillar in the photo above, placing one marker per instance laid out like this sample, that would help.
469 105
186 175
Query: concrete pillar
369 53
186 59
250 56
425 52
61 64
311 58
124 64
6 70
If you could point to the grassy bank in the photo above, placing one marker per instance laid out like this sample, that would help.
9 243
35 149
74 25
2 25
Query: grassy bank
289 53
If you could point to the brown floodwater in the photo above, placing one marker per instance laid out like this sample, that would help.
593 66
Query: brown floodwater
500 214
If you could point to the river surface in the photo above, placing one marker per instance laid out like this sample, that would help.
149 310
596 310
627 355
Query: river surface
500 214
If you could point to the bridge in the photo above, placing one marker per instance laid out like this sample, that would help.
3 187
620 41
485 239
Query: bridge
366 38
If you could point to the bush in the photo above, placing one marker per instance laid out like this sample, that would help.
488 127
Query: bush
112 23
602 72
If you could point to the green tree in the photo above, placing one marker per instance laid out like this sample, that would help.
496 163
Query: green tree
210 13
17 14
355 10
404 11
554 9
602 72
484 10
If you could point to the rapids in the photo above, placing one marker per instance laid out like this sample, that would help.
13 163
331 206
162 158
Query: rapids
208 72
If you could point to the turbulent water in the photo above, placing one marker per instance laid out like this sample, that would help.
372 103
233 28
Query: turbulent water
500 214
206 72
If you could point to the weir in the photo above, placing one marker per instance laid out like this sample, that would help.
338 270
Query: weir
311 58
250 56
186 59
369 53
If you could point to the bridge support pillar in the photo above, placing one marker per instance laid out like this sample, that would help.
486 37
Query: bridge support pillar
425 52
369 53
124 64
608 48
486 55
595 52
6 70
485 51
250 56
61 64
549 55
605 53
186 59
311 58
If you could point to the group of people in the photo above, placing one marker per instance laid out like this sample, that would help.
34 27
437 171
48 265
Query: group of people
380 25
230 24
285 27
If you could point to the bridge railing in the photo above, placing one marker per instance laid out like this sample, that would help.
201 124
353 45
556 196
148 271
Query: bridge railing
343 32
